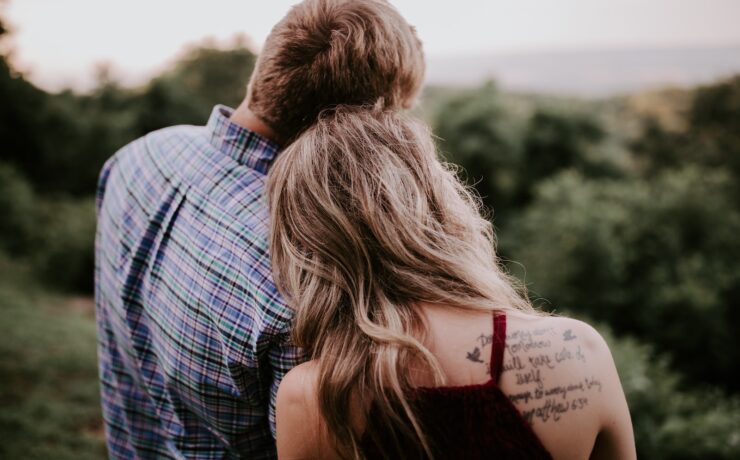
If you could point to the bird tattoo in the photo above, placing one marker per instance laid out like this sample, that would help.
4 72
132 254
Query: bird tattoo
474 355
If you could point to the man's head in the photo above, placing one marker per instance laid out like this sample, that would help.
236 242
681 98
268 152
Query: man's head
329 52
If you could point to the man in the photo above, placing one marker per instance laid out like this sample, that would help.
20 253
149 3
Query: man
193 336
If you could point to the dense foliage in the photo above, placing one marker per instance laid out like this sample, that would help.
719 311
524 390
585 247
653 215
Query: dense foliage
630 216
53 146
653 258
671 422
608 212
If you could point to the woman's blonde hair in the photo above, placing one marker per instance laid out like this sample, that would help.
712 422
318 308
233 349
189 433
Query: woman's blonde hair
366 223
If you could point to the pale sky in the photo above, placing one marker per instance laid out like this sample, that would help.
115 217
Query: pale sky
58 42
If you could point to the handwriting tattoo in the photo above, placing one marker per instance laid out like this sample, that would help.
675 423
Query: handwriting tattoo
531 355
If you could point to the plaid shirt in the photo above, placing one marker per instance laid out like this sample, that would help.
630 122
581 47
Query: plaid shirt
193 336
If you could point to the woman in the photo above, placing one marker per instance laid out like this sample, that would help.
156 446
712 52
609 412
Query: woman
420 345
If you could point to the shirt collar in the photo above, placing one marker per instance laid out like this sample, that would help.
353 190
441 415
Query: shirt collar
243 145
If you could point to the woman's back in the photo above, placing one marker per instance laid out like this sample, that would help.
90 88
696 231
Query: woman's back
473 420
365 223
557 372
556 393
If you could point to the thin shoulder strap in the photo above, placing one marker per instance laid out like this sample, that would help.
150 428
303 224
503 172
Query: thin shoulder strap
498 345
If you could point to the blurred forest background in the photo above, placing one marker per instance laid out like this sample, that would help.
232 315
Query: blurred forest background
622 211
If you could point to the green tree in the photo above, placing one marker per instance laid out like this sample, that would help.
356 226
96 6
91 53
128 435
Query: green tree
215 76
555 141
656 259
709 138
60 141
165 103
20 112
204 77
506 152
714 120
475 132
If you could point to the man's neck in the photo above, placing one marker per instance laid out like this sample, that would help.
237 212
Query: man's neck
244 117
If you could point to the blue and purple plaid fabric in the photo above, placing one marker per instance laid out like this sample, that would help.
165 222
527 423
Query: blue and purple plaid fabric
193 336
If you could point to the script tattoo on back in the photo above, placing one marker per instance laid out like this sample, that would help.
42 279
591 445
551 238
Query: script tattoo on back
530 355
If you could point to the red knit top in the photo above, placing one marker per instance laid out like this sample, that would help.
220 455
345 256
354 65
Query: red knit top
472 421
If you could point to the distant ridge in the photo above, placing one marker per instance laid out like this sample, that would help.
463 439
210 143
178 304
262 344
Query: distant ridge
589 73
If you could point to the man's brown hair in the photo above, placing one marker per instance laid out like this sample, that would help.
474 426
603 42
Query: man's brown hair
329 52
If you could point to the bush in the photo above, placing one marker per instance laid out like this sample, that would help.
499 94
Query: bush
671 423
505 152
555 141
55 236
708 134
654 259
63 256
17 211
476 133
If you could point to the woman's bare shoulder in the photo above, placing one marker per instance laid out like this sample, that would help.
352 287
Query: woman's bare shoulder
297 416
300 382
560 375
556 329
301 432
549 356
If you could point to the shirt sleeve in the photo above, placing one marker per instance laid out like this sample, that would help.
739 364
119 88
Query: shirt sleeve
283 356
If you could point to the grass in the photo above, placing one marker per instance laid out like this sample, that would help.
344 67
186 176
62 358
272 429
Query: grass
48 375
